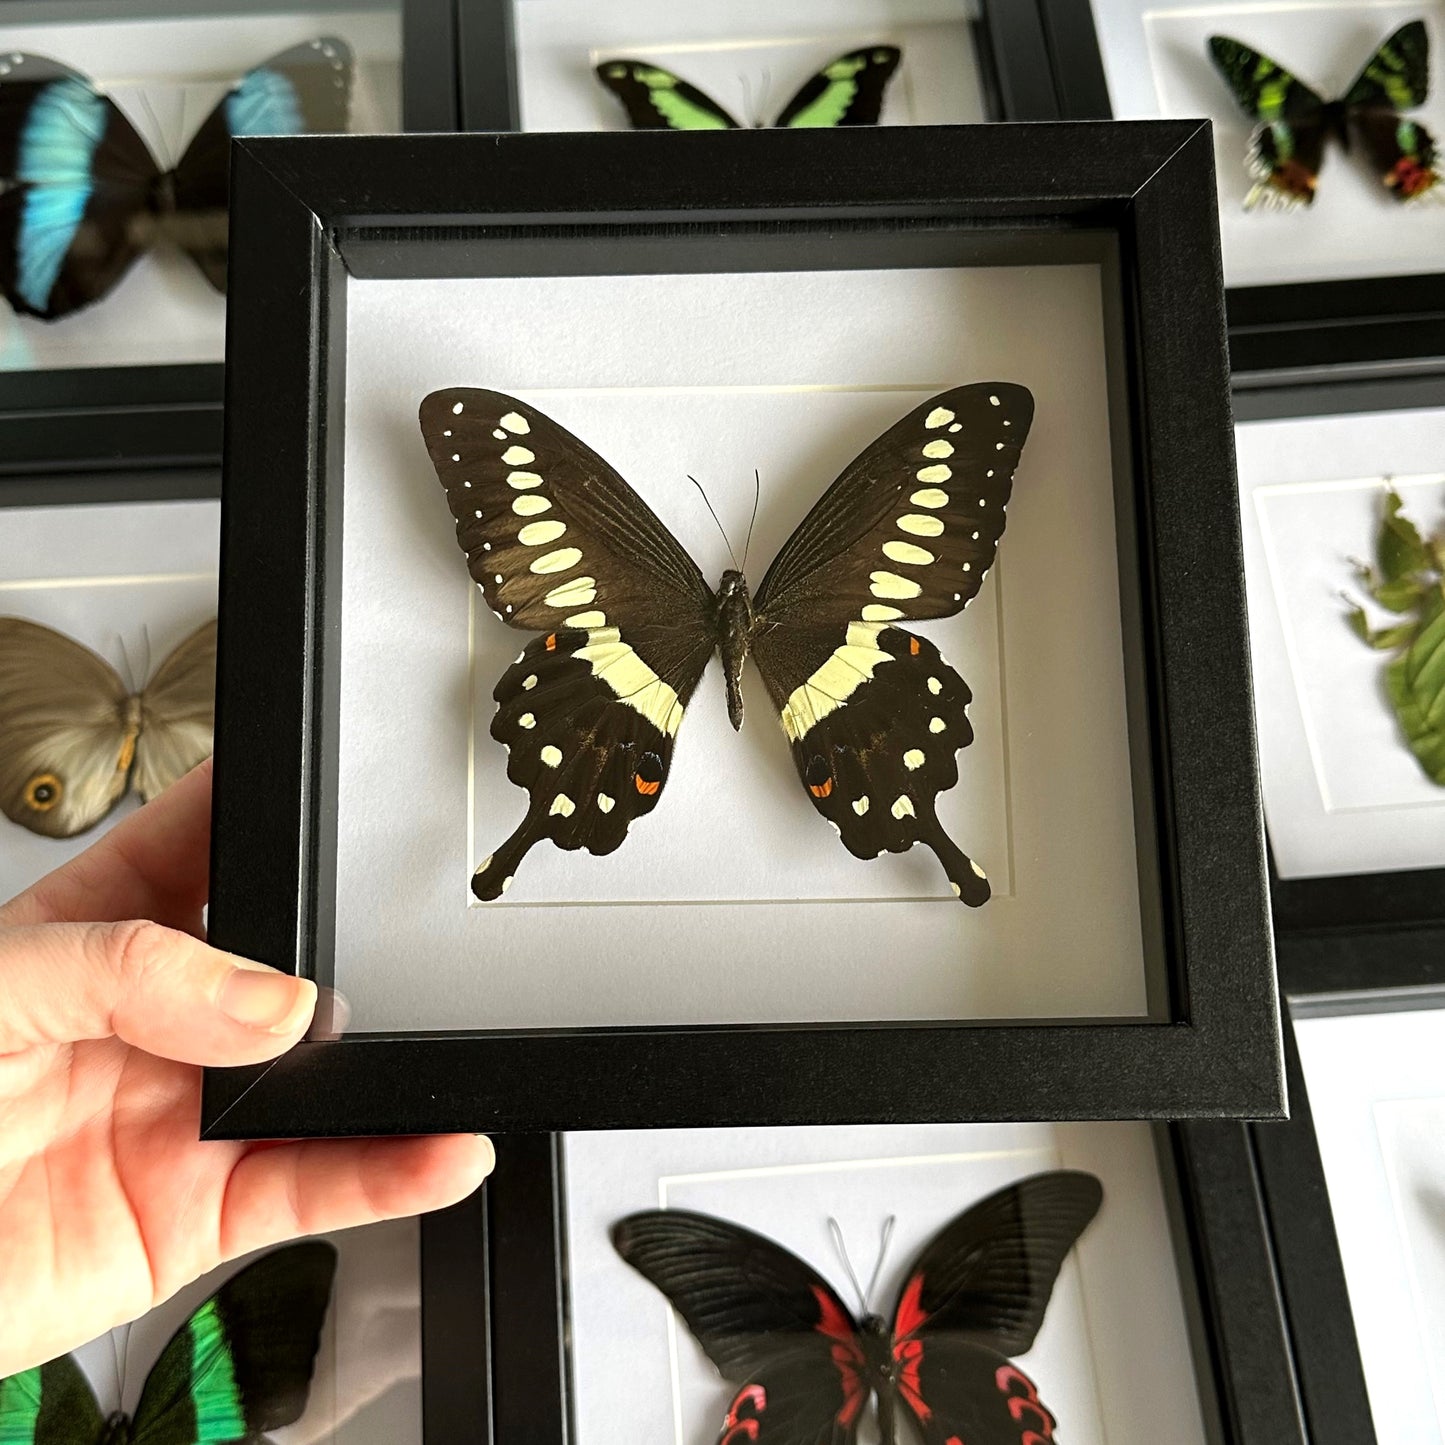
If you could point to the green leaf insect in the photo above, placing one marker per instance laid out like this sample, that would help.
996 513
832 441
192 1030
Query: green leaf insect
1408 579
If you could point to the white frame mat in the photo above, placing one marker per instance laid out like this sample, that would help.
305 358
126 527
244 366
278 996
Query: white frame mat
1343 793
1117 1301
734 871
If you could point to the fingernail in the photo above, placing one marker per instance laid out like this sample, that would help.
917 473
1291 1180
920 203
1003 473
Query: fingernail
265 998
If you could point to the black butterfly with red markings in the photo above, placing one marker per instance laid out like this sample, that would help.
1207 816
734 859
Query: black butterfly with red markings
804 1368
561 545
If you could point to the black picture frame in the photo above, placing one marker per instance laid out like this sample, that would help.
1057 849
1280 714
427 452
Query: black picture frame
1329 930
312 211
1239 1331
85 419
1278 334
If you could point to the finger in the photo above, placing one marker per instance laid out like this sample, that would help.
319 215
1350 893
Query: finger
155 864
279 1191
156 988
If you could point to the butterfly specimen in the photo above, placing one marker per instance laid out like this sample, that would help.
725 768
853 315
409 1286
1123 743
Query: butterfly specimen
73 736
561 545
803 1367
1410 582
81 196
847 92
240 1365
1288 144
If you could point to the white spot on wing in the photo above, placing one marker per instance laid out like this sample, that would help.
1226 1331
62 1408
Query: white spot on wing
538 534
588 620
860 805
558 561
529 504
563 805
907 553
920 525
934 686
939 416
528 683
913 759
978 870
938 448
457 409
518 456
938 472
936 724
523 480
929 497
605 803
514 421
890 584
550 755
903 807
527 720
877 612
576 593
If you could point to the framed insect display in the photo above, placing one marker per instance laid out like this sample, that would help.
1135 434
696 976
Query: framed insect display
667 1260
648 66
606 875
114 143
1327 121
107 651
1341 494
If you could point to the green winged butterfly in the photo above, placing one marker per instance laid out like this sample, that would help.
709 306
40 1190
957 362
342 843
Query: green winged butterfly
847 91
1293 121
240 1365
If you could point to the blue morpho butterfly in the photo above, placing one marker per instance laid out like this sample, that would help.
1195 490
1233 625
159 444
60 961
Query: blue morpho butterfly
240 1365
81 196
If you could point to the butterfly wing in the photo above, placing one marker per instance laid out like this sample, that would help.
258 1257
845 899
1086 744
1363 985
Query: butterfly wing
1288 143
304 90
770 1323
177 714
873 713
67 731
656 99
75 180
977 1294
241 1364
49 1405
849 91
1396 78
560 544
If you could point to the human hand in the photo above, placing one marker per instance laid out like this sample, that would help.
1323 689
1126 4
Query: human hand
109 1202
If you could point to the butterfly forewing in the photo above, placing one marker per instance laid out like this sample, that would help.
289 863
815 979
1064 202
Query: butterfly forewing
1396 78
656 99
177 714
849 91
50 1405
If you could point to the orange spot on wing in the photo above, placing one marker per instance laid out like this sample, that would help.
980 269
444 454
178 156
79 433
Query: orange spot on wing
822 789
551 643
913 646
645 788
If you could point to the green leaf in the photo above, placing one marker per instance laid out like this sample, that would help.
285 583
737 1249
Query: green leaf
1415 682
1401 550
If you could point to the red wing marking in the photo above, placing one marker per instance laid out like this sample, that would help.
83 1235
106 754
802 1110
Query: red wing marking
911 1316
907 1350
846 1354
1024 1400
744 1417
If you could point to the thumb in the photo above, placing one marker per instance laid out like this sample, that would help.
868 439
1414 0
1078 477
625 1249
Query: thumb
156 988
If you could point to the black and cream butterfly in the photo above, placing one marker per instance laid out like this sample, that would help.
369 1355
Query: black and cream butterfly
803 1367
239 1366
81 196
847 91
561 545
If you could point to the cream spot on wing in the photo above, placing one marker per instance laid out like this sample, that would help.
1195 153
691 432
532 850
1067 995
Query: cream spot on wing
934 686
957 891
978 870
486 546
936 473
920 525
477 514
528 683
485 863
938 448
936 724
558 561
538 534
939 416
562 804
447 433
550 755
506 882
576 593
903 807
957 426
890 584
518 456
456 456
975 536
527 720
529 504
496 577
860 805
929 497
500 435
876 612
998 446
587 620
913 760
906 552
993 401
457 409
605 803
958 596
1007 422
523 480
516 422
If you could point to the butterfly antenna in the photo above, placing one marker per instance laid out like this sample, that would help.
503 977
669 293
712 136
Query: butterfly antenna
708 505
162 140
835 1229
758 121
757 496
126 669
882 1255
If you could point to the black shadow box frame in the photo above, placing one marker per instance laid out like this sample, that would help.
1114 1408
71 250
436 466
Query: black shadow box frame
503 1372
310 212
1357 328
1388 927
1008 39
87 419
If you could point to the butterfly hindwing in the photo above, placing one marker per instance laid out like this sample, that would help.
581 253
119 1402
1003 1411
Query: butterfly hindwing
1396 78
177 714
51 1404
848 91
241 1364
957 1391
656 99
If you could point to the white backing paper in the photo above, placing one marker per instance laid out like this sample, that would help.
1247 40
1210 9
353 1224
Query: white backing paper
750 56
1157 62
166 75
1343 793
1377 1094
1117 1301
119 579
764 915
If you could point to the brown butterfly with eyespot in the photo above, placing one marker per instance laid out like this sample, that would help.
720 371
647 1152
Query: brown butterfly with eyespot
74 737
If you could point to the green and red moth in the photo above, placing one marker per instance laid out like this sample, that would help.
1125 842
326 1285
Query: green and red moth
1408 579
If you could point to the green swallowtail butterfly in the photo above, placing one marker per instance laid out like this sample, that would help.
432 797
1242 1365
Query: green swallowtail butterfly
848 91
1288 143
240 1365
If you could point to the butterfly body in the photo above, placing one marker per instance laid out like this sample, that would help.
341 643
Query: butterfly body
116 1430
